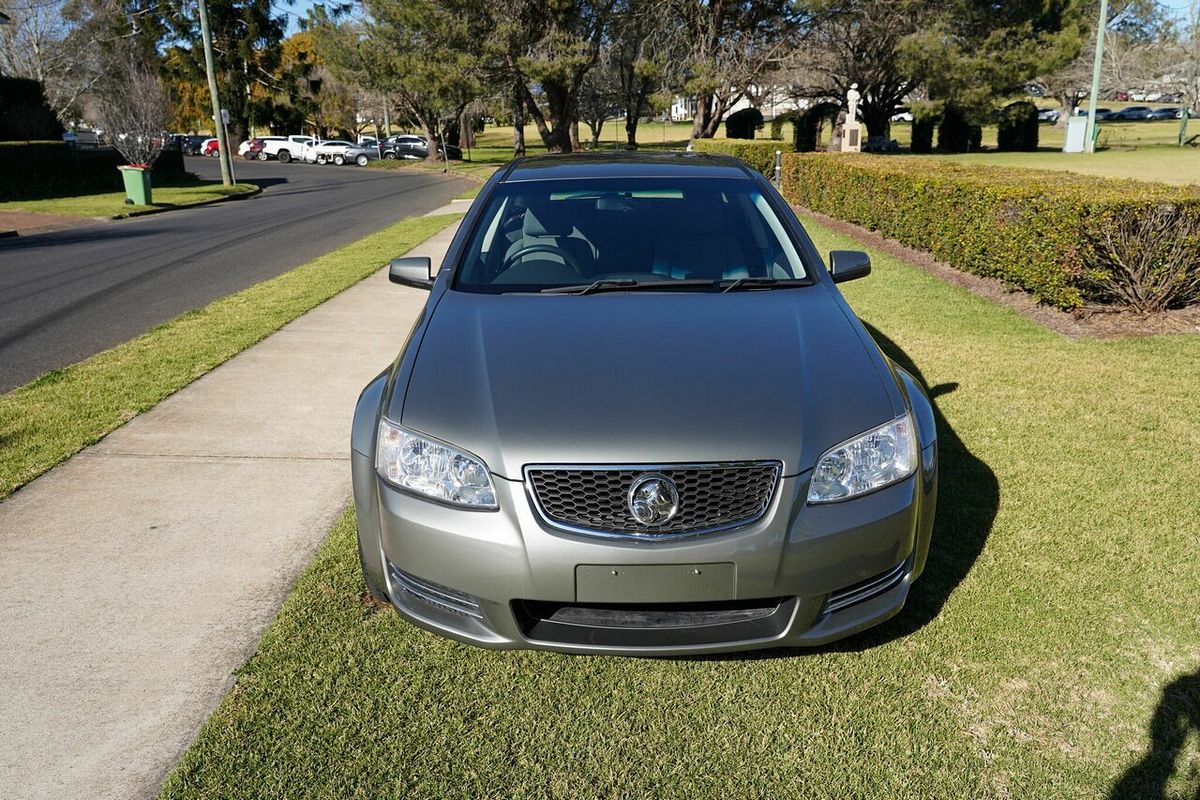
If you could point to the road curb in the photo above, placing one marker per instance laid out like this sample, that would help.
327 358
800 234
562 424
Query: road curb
147 212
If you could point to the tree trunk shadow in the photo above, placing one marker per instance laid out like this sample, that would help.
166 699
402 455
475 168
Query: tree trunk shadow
1175 719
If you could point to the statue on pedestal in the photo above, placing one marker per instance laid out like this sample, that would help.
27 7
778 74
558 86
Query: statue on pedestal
852 130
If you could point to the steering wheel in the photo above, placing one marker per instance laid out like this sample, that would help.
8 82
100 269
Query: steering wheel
567 258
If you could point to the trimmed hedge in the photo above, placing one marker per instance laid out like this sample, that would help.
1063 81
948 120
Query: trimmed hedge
34 170
758 154
1032 229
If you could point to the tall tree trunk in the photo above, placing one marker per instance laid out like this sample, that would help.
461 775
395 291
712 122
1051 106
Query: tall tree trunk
429 127
575 135
631 126
538 119
518 103
704 104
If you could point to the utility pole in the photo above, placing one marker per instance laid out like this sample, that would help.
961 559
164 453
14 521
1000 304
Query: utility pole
218 121
1089 142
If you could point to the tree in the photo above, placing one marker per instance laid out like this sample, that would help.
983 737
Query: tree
71 46
732 44
423 53
132 111
649 55
860 41
1133 33
599 93
246 47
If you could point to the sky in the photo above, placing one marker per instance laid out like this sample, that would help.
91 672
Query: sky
299 10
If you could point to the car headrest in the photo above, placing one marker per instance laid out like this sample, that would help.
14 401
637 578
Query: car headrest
544 222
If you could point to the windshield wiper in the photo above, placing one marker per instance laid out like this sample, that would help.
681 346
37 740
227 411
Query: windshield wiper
623 284
758 283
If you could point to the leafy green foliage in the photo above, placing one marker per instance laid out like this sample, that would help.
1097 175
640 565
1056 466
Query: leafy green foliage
1028 228
759 155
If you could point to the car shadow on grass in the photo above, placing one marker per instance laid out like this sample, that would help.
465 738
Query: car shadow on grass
1175 720
968 498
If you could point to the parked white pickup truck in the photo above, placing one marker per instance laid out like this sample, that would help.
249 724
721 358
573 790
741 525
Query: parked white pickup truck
287 148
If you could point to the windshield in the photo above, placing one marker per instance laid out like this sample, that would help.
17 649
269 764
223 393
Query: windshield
677 234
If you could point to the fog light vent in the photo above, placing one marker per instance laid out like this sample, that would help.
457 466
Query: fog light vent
435 595
865 590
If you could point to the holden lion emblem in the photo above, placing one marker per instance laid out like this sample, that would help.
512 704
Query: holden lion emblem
653 499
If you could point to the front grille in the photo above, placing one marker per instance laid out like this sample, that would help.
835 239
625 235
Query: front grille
712 497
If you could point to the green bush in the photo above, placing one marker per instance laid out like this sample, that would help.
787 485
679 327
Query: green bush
742 124
954 132
1033 229
34 170
759 155
922 132
1018 127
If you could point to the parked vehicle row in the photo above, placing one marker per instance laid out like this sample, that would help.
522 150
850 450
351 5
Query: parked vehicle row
1133 113
311 150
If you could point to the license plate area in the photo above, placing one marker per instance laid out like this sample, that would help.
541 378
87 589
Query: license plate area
654 583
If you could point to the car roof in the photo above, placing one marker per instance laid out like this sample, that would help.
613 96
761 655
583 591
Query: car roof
661 164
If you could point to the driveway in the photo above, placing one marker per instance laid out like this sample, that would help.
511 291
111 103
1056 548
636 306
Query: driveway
69 294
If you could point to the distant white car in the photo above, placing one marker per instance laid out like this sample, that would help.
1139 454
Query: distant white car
287 148
903 116
327 151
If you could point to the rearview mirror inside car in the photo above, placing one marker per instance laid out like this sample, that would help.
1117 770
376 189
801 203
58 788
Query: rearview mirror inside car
846 265
416 271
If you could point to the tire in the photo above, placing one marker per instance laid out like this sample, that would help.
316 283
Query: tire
320 159
389 156
262 155
362 159
249 156
339 159
284 156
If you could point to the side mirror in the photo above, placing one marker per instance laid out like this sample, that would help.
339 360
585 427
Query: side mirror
846 265
415 271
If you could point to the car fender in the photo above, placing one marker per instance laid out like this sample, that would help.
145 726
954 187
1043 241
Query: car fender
925 420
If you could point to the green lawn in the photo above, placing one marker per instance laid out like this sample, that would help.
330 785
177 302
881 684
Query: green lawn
112 204
1179 165
1057 617
55 416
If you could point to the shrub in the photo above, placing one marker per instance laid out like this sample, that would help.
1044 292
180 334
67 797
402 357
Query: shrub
922 132
807 129
742 124
759 155
1018 127
55 169
954 132
1050 233
1146 258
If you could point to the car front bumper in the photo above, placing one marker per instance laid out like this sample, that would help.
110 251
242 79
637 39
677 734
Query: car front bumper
803 575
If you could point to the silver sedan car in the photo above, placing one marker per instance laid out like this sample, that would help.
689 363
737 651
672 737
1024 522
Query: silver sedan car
636 416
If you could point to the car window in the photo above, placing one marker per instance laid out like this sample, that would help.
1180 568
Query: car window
541 234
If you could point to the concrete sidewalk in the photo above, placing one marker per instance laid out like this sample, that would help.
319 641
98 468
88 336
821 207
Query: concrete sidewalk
138 575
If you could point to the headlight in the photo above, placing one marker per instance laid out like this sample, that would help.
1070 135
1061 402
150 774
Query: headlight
432 468
875 459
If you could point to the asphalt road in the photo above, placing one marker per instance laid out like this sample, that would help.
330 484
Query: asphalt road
70 294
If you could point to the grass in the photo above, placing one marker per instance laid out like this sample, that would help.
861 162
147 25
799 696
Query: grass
55 416
1056 619
1163 164
112 204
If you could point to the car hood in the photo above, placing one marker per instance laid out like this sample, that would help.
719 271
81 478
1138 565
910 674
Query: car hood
644 378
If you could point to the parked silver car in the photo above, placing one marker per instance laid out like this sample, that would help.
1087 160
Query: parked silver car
636 416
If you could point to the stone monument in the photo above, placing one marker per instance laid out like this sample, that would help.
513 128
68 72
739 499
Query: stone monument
852 131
